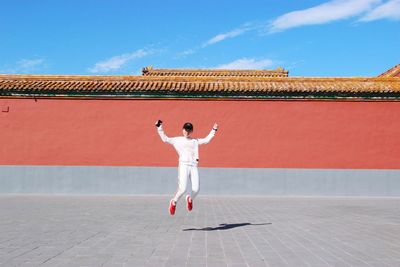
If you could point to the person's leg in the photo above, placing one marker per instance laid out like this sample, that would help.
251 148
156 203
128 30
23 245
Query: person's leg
194 176
183 176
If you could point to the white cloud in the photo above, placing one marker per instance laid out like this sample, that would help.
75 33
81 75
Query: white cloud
223 36
216 39
30 63
389 10
189 52
321 14
247 63
117 62
26 66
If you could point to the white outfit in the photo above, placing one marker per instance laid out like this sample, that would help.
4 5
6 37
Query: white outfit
188 151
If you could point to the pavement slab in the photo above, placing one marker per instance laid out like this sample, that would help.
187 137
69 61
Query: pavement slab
95 230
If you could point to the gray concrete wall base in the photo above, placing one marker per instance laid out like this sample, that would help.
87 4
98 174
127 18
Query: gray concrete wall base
214 181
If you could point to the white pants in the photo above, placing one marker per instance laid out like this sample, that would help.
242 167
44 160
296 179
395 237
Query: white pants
186 172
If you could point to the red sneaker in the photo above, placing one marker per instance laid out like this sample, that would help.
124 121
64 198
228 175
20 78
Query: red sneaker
189 202
172 207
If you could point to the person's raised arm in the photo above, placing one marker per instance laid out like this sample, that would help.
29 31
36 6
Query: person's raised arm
160 131
207 139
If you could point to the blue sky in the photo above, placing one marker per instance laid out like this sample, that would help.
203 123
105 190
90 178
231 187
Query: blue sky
309 38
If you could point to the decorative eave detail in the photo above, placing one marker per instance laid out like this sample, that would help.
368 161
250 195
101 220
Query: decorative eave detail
375 88
392 72
150 71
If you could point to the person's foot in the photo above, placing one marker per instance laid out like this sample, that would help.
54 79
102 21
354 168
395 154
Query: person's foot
189 202
172 207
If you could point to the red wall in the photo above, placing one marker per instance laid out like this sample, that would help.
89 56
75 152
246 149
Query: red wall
261 134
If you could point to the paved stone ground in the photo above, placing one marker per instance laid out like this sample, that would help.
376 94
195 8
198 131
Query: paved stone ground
220 231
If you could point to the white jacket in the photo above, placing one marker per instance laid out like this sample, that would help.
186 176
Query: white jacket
187 147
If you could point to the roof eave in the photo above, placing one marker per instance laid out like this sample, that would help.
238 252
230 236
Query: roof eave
318 95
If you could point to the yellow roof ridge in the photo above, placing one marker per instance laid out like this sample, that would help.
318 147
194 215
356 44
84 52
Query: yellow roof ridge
392 72
150 71
184 79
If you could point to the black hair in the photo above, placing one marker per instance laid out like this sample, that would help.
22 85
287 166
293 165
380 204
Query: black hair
188 127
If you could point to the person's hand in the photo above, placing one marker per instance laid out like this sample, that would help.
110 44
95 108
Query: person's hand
158 123
215 127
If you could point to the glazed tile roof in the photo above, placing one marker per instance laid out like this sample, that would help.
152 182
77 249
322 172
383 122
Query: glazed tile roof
150 71
242 87
392 72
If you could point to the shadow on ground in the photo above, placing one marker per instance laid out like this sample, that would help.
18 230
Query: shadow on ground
224 226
